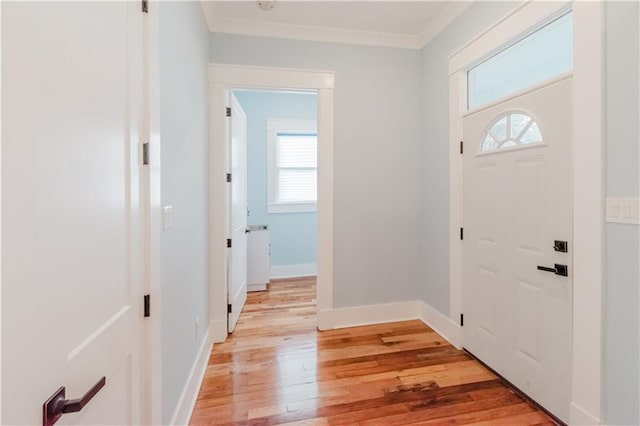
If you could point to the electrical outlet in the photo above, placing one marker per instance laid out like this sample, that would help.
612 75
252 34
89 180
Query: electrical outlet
197 326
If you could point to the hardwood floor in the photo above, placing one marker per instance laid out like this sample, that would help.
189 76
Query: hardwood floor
277 368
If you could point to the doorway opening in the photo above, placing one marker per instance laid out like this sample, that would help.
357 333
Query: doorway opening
223 81
273 191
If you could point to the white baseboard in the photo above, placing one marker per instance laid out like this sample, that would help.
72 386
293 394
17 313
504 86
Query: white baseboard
218 331
391 312
325 319
441 324
290 271
189 395
256 287
579 417
372 314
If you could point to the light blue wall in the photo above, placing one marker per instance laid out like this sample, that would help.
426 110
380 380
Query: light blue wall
184 44
622 150
434 188
377 161
292 235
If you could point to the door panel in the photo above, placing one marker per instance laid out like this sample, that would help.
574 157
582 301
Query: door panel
516 204
72 90
528 211
237 292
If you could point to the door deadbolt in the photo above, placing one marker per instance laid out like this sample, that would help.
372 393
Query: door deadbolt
561 246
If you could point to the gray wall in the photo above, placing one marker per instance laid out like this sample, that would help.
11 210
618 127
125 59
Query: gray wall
434 285
377 167
292 236
184 45
622 150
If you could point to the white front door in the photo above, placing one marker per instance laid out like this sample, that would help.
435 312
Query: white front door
71 283
517 203
237 278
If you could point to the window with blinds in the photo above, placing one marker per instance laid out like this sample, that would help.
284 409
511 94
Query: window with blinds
293 166
297 172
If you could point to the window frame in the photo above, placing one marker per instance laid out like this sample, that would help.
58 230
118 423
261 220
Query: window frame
274 127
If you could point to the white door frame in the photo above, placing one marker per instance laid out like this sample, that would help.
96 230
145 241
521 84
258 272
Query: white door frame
0 212
587 180
225 77
151 204
639 160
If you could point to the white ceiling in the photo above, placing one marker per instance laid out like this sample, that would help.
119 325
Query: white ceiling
391 23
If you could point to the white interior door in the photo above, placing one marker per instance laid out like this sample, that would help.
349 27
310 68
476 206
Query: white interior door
517 203
237 279
71 297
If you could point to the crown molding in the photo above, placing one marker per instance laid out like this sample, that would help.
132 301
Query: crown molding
438 23
220 24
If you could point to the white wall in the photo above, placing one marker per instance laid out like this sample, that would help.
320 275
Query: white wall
434 284
622 152
184 45
377 167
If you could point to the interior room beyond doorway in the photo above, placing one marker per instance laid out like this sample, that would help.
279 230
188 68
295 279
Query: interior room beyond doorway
281 182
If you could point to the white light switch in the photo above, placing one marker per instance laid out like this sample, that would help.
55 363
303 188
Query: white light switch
167 217
623 210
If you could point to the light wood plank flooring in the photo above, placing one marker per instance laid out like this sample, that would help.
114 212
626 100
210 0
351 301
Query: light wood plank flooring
277 368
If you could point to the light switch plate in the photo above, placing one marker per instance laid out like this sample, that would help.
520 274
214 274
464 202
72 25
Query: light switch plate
623 210
167 217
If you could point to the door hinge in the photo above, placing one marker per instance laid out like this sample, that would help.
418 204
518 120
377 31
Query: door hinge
145 6
228 177
229 308
145 153
461 147
228 242
462 233
147 305
461 320
228 111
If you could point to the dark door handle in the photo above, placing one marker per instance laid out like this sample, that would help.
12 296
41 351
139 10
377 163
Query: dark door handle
558 269
58 405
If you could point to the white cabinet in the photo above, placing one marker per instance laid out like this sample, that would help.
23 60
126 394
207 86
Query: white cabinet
257 258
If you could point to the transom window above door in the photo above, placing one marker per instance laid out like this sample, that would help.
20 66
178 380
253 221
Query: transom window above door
511 130
292 166
540 56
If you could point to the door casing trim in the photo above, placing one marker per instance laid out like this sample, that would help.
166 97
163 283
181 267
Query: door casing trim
587 181
222 79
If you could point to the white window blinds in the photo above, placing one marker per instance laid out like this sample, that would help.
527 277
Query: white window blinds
296 168
292 166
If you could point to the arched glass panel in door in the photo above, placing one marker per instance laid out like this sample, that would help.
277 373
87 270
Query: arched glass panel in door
510 130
